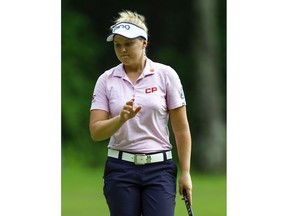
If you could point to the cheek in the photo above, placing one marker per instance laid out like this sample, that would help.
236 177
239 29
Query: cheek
117 52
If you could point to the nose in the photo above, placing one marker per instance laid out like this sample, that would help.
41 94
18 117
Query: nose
123 49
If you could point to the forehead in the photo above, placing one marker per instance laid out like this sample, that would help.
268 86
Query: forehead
121 39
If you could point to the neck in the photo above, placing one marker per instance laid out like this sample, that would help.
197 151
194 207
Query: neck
136 68
134 72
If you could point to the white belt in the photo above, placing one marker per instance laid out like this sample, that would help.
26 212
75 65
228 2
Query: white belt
140 159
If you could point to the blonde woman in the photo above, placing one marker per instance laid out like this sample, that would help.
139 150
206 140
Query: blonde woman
132 104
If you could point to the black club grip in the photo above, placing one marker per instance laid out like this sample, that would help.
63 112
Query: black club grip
188 206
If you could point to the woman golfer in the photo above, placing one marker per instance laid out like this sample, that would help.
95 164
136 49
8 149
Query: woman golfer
131 105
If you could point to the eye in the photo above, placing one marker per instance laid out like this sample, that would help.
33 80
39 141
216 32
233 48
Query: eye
117 45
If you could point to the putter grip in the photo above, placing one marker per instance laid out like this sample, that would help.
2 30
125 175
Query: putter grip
188 206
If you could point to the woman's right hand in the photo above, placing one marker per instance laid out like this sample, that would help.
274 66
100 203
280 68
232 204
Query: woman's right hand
128 111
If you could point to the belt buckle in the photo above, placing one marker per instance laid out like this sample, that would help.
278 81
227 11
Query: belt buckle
142 159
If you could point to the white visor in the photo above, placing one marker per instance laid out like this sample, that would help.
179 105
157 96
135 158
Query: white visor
127 30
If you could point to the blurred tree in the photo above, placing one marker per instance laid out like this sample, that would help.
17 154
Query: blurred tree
79 51
206 49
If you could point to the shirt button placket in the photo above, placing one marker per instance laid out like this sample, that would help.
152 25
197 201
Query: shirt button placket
133 91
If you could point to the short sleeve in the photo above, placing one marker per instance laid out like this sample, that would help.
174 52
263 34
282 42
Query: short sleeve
99 98
175 94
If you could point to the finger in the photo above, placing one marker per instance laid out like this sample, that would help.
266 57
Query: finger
131 102
188 192
181 190
124 111
128 107
137 109
189 195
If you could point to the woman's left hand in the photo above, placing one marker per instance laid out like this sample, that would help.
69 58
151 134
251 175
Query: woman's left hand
185 182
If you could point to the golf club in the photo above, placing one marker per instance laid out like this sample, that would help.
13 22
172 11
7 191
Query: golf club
188 206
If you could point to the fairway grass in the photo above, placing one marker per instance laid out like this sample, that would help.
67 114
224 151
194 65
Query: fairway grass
82 194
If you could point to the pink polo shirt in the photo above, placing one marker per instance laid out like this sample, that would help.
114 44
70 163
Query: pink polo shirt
157 90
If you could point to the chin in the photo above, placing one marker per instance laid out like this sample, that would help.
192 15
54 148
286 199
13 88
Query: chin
126 61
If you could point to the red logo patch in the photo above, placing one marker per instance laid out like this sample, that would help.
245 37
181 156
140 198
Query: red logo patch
150 90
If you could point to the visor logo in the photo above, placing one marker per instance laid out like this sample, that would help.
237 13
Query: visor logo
127 27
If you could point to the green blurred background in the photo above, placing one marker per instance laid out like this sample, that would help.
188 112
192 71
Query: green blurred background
190 36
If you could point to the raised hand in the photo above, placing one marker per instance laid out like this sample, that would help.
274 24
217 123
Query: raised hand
128 111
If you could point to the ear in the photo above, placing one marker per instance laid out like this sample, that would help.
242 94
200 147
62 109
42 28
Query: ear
145 44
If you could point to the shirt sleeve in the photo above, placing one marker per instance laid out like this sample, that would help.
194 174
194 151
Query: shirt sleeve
99 98
175 93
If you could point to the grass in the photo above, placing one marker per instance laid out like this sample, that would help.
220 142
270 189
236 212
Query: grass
82 194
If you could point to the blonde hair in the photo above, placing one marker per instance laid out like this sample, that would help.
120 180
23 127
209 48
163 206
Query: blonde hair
131 17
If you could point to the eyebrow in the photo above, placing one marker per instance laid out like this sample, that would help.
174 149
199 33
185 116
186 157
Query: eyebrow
124 40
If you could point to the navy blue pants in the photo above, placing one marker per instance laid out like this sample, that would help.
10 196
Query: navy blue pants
135 190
